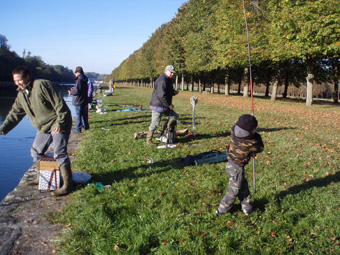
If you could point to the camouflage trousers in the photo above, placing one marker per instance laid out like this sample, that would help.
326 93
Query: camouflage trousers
238 187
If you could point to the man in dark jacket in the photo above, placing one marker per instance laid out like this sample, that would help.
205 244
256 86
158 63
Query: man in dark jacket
80 99
48 112
161 101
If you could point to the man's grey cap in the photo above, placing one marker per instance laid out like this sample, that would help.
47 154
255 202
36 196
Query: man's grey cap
170 68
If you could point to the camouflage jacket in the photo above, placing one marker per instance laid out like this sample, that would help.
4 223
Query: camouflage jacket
240 149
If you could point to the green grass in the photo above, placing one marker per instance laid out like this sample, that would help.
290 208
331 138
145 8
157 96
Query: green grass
166 208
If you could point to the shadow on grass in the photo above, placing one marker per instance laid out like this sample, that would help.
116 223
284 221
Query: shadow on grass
258 204
123 121
129 173
186 139
266 130
320 182
225 134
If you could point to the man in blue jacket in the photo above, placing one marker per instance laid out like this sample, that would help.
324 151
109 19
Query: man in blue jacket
80 100
161 101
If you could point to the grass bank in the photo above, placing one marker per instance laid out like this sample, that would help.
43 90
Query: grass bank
166 208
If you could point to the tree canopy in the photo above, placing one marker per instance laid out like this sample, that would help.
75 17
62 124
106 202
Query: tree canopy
38 68
208 36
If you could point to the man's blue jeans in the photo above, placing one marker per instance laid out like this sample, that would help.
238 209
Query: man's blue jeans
82 116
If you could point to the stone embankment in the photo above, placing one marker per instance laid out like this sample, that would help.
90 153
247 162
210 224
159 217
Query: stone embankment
25 225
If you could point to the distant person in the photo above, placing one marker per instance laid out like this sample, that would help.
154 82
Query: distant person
244 143
111 85
48 112
89 93
161 102
80 99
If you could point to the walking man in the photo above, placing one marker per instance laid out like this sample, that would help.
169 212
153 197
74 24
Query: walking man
48 112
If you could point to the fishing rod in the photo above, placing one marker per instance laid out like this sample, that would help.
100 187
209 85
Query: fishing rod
251 88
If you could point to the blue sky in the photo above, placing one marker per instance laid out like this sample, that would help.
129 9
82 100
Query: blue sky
95 34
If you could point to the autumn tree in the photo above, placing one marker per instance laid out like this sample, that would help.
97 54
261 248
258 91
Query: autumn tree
305 31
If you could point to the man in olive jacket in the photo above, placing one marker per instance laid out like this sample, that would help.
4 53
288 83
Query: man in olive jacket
161 102
48 112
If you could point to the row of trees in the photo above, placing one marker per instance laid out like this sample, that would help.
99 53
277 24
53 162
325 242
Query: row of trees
292 43
38 68
96 76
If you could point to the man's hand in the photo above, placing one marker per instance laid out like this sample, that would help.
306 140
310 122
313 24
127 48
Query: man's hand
57 130
69 92
2 133
171 107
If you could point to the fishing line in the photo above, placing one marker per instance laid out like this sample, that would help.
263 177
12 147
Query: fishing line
251 88
249 57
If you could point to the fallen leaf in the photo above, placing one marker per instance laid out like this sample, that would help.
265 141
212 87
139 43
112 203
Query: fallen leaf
337 243
115 248
230 223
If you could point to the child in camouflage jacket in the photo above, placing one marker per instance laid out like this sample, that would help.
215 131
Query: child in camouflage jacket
244 143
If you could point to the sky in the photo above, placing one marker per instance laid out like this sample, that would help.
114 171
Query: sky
95 34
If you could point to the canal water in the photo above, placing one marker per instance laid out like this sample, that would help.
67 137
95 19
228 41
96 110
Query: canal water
15 157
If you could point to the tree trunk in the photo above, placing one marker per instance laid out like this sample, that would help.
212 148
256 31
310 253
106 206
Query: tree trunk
226 85
246 83
310 81
274 90
176 82
285 92
245 90
182 83
239 86
212 88
336 84
267 88
192 84
199 85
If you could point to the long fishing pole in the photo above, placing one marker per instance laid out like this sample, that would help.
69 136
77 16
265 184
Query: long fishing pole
251 88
